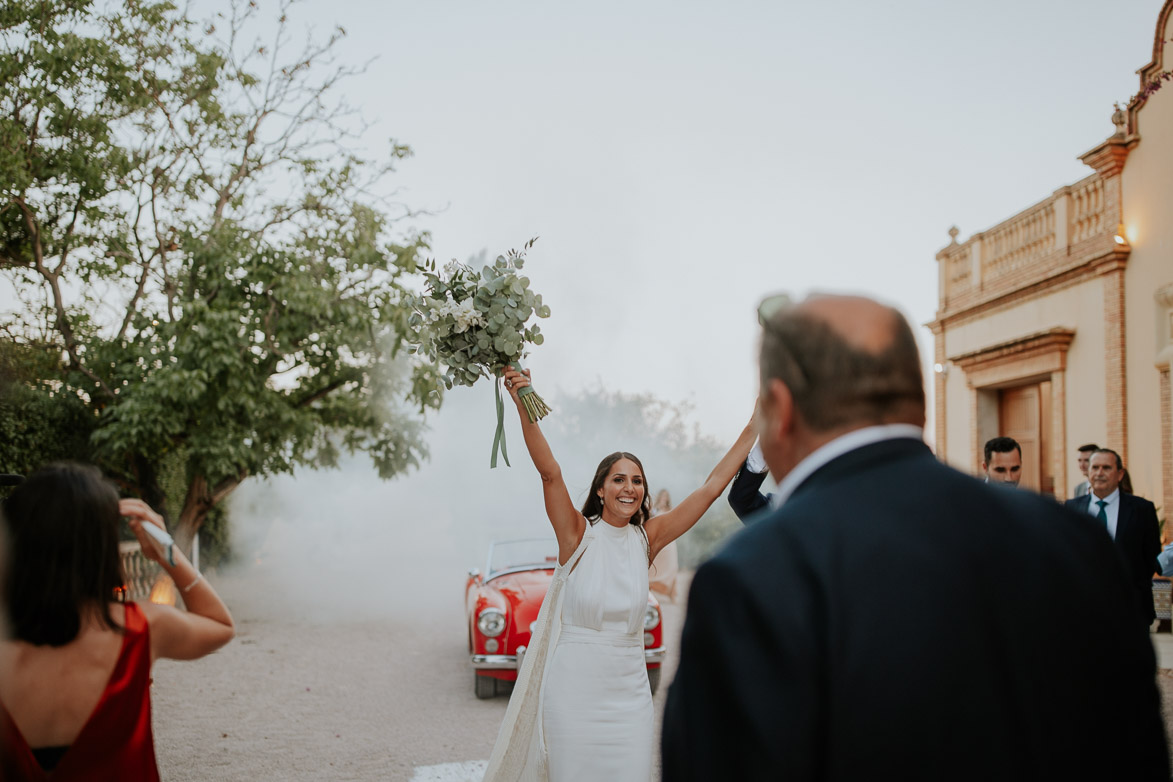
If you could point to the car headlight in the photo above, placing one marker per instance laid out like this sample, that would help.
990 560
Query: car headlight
491 622
651 617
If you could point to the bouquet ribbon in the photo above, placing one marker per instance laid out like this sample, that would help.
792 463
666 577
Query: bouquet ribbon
499 437
535 408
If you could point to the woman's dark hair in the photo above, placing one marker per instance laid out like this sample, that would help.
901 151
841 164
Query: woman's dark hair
594 505
62 529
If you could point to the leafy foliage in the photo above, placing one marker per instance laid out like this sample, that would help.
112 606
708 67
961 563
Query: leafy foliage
37 424
197 250
474 323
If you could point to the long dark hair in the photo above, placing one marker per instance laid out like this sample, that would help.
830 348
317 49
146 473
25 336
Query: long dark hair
593 506
62 526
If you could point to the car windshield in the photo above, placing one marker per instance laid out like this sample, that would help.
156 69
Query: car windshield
524 553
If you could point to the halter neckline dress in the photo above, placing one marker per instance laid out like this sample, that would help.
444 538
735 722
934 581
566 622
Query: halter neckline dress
596 704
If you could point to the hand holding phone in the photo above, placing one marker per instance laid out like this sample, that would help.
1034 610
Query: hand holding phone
147 526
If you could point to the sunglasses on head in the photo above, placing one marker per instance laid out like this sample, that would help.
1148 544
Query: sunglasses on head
771 306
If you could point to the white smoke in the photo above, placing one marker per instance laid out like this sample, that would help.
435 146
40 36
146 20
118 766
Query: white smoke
343 544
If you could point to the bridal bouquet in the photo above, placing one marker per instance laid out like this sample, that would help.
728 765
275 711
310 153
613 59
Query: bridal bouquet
474 323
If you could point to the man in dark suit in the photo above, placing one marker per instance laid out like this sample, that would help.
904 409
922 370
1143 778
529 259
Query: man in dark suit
745 495
892 618
1085 456
1131 521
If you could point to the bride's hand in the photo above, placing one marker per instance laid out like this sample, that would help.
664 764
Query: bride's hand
514 382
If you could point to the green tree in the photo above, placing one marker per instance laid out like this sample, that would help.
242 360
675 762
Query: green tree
197 251
37 426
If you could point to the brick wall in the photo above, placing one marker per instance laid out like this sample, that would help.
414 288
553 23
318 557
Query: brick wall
1166 451
1115 353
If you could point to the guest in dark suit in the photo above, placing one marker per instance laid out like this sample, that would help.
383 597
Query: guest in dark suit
745 495
1131 521
892 618
1085 455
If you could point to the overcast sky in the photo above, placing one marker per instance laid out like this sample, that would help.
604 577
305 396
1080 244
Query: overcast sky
681 159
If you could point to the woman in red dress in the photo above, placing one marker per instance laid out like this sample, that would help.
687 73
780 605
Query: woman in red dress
75 665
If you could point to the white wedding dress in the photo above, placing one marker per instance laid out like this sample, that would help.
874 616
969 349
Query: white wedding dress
582 709
597 705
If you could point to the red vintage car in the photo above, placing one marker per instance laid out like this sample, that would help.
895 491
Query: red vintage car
502 605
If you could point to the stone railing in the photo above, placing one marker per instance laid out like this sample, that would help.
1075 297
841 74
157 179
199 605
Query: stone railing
138 571
1087 209
1030 246
1016 242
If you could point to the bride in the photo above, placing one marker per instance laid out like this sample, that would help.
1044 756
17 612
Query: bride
582 706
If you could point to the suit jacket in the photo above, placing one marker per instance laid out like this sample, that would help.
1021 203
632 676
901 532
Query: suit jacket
896 619
745 496
1138 539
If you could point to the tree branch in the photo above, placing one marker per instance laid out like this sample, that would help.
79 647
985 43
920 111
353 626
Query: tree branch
64 327
322 393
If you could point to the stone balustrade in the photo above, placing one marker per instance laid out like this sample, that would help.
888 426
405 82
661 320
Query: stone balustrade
138 571
1018 241
1076 223
1087 209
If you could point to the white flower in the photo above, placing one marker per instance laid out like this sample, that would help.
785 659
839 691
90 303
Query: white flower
466 316
451 269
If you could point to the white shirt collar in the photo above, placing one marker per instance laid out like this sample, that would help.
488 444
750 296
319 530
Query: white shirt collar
836 448
756 461
1111 498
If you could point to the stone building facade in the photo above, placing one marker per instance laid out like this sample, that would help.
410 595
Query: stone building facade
1056 325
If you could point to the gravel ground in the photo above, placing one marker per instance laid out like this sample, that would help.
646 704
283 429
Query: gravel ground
301 698
1165 679
305 699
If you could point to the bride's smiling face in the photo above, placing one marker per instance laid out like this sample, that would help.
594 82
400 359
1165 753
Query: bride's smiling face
623 490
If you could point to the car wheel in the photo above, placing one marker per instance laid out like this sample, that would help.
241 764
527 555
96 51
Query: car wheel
485 686
654 679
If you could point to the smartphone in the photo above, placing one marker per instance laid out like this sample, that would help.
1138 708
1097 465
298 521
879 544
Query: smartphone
163 537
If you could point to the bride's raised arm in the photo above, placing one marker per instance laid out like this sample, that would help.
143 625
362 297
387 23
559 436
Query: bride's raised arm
667 527
566 520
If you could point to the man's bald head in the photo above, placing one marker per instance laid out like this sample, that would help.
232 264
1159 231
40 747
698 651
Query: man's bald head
846 360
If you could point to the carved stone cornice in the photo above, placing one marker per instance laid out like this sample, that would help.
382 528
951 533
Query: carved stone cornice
1108 158
1113 261
1035 354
